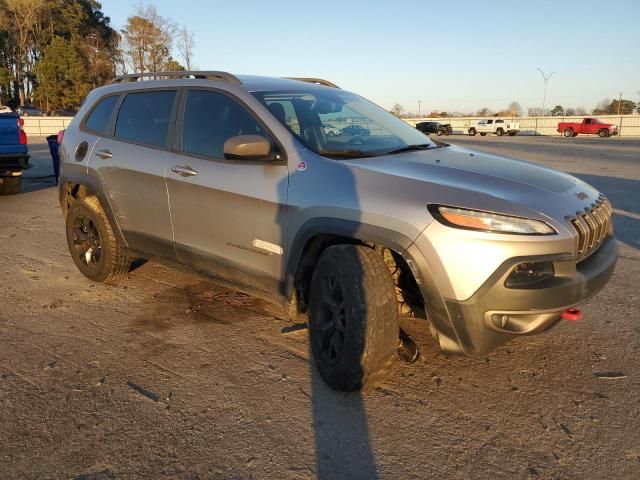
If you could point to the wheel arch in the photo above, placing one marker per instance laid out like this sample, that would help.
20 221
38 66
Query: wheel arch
317 235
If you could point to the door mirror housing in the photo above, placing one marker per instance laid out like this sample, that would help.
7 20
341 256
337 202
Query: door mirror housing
247 147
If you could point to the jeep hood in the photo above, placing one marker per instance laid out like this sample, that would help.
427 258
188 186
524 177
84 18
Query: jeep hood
523 183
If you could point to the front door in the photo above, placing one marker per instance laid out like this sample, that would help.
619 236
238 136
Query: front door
229 216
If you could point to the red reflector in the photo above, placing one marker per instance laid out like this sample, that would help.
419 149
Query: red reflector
20 122
572 315
60 137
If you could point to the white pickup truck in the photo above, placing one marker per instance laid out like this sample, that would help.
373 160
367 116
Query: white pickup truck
494 125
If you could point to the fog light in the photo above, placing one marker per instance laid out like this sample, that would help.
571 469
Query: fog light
529 273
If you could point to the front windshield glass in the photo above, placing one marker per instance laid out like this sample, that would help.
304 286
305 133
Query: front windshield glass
339 124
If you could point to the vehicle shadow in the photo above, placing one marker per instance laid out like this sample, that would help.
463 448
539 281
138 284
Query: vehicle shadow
624 195
343 447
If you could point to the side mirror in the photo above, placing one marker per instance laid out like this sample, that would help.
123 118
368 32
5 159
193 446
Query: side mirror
247 147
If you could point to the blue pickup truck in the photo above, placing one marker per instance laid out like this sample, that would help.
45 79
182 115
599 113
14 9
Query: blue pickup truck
14 153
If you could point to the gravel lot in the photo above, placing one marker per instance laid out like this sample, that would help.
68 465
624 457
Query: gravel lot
169 375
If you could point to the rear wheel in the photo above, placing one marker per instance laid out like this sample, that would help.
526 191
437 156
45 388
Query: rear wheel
512 134
353 316
472 131
603 133
568 132
94 247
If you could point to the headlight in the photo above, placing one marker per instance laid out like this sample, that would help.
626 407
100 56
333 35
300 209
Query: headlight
489 222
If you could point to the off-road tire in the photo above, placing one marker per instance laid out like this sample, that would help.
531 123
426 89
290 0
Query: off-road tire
603 133
353 308
472 131
113 262
568 133
10 185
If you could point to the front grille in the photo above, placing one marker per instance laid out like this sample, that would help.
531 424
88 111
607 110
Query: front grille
592 226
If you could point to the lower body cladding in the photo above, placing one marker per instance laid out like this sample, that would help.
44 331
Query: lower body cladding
496 313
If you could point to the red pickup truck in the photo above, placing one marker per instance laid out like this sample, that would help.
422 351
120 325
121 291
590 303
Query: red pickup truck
588 125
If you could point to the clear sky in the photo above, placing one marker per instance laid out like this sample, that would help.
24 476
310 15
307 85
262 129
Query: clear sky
453 56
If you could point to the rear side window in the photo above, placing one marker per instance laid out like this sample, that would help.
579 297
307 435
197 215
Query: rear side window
98 119
210 119
144 117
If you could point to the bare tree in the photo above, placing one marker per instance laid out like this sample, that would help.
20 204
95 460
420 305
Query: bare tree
397 109
19 19
514 109
149 38
186 44
484 112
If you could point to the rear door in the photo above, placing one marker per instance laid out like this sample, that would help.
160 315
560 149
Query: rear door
131 163
229 216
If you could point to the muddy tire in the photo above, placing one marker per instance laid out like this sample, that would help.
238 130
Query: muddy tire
568 132
94 247
353 316
10 185
603 133
472 131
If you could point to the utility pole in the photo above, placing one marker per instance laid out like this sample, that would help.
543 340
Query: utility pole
546 81
419 106
619 102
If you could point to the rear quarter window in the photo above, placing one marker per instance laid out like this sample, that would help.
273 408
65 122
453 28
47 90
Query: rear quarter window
98 119
144 117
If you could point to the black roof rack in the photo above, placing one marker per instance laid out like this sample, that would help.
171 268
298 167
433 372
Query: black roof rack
317 81
220 76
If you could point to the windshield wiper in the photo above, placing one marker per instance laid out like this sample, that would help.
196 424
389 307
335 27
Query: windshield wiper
346 153
410 148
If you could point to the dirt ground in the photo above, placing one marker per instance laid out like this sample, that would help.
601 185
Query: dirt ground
169 375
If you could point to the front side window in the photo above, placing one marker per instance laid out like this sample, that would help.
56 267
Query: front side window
98 119
144 117
499 121
210 119
339 124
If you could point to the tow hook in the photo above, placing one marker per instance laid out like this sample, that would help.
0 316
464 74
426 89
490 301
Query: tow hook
572 315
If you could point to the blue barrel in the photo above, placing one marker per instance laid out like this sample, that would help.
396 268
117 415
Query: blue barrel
52 140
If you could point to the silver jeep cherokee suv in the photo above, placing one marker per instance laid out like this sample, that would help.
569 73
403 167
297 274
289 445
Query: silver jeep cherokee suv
236 177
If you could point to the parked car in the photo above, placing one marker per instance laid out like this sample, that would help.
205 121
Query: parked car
589 125
14 153
331 130
5 109
355 131
494 125
63 113
352 232
29 111
435 127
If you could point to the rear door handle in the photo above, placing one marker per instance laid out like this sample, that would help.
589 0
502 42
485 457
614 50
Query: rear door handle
104 154
184 170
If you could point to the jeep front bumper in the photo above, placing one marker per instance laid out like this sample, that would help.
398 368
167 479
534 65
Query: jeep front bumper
494 314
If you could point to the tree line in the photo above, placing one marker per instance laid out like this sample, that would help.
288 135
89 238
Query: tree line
53 52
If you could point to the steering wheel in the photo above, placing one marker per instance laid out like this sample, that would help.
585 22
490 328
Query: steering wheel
357 140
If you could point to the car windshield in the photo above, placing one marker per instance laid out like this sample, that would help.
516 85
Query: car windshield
339 124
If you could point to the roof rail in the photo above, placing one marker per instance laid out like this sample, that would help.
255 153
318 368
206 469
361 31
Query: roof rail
220 76
317 81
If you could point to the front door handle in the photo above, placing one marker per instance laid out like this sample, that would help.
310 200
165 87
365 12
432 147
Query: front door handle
104 154
184 170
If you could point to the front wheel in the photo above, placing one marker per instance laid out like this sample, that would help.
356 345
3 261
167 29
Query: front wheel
499 132
94 247
440 132
603 133
472 131
353 316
